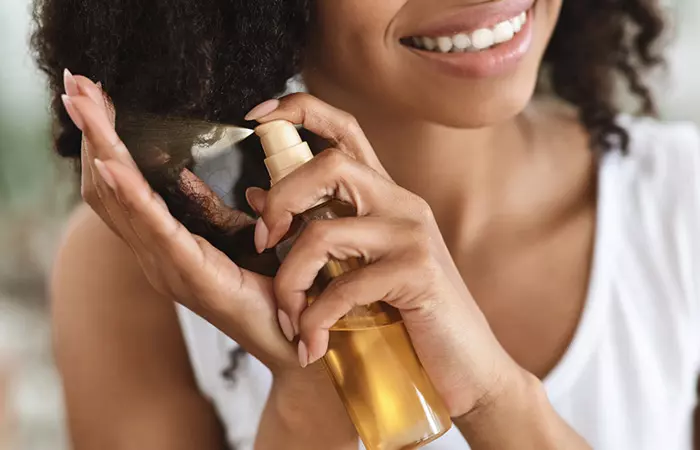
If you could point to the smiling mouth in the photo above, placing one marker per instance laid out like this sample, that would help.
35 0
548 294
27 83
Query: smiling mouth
470 42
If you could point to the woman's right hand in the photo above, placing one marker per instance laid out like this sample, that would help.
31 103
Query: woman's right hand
178 264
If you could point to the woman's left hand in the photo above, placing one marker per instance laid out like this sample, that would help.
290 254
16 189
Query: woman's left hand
409 265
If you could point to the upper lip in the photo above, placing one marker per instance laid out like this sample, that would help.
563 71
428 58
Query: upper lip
473 17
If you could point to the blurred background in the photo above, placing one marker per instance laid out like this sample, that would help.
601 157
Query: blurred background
37 191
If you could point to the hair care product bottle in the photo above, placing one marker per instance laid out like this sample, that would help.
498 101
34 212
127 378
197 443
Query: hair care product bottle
370 357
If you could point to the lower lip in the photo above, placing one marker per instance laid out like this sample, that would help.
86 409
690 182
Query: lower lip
495 61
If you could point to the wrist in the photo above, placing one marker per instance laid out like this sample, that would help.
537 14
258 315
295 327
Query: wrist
518 416
520 402
305 405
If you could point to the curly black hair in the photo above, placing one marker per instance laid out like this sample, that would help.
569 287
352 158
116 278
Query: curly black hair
214 59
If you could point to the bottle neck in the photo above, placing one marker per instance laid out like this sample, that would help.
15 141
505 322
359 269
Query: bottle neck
281 164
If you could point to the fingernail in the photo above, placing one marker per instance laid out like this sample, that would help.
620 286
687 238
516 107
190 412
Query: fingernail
303 354
99 84
105 174
285 325
263 109
262 234
69 84
72 112
256 198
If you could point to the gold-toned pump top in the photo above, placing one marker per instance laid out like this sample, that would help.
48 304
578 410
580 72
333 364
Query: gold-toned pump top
283 147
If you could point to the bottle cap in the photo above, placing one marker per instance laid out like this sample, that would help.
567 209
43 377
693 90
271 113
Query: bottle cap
283 147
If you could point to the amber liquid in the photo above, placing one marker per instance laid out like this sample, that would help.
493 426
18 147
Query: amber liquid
387 394
373 365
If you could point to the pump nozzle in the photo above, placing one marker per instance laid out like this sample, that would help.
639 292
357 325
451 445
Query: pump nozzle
283 147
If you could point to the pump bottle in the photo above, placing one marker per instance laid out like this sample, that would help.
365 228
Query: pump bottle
370 358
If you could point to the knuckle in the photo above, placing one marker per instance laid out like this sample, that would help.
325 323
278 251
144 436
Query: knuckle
298 102
305 99
420 239
318 231
300 97
130 204
350 125
339 290
421 251
119 146
168 234
422 208
334 159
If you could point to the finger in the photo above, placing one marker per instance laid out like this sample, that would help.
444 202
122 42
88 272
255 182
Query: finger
347 242
94 121
242 304
233 299
214 209
94 92
75 85
89 190
336 126
104 202
150 218
382 281
332 174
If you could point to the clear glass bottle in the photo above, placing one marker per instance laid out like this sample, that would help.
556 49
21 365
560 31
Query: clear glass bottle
370 358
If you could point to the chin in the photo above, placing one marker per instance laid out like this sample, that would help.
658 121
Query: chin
474 107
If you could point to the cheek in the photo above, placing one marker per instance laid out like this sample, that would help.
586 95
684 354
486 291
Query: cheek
349 37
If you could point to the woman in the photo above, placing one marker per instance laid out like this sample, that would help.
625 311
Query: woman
540 248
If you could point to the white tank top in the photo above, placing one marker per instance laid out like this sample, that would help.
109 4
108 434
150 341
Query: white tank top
628 379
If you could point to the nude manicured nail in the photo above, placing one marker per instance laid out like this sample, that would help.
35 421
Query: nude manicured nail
73 112
262 234
105 174
303 354
69 84
285 324
263 109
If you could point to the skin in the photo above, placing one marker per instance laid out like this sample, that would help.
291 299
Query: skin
496 313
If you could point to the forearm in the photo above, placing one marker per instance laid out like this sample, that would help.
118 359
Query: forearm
304 412
522 418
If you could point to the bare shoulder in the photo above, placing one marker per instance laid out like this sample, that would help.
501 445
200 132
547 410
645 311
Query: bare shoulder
91 253
120 351
96 274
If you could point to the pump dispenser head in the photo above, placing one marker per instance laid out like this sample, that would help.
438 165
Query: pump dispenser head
283 147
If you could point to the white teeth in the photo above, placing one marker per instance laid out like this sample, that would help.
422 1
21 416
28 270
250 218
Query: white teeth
444 44
461 41
517 24
481 39
503 32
